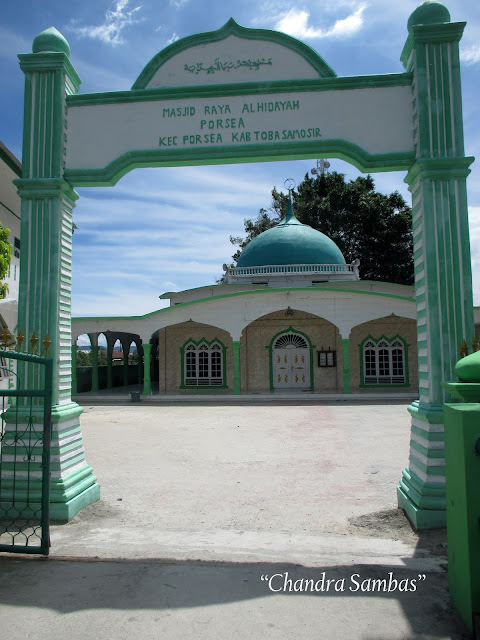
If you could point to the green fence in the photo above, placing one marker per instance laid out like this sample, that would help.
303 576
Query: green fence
25 437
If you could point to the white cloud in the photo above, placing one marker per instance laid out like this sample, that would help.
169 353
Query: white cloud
296 23
471 55
174 38
116 20
178 4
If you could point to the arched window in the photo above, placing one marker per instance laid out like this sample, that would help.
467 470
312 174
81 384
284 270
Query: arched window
203 364
384 361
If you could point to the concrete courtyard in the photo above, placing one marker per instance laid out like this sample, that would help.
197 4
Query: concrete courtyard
208 510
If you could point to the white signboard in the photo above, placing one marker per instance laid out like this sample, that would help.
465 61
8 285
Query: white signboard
378 120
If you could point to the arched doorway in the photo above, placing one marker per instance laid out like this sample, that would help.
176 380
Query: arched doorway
291 362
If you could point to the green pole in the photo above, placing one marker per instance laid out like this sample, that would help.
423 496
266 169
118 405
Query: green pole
125 349
109 364
236 367
94 366
147 350
346 365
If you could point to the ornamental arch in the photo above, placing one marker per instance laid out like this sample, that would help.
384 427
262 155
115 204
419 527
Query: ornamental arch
243 95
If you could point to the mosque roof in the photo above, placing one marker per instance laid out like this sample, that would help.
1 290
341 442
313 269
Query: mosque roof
290 242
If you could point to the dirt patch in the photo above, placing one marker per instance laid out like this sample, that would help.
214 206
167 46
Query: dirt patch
394 524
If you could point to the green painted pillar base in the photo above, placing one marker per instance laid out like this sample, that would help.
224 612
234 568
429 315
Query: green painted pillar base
72 483
422 489
421 518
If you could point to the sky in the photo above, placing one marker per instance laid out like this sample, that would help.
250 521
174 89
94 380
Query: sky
168 229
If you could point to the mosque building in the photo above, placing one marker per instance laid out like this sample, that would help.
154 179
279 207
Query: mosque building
291 316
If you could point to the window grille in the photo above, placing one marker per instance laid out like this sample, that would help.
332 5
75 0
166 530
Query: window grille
204 365
384 362
290 339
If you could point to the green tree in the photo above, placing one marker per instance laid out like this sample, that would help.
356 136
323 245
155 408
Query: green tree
5 257
370 226
84 359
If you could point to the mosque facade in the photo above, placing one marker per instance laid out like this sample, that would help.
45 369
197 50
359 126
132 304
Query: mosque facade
291 316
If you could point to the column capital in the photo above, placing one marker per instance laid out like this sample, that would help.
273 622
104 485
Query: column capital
39 188
431 34
50 61
449 168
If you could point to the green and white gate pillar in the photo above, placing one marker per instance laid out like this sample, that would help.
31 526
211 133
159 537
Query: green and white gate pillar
443 280
45 265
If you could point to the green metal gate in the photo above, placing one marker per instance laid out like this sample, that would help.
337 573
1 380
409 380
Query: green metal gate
25 437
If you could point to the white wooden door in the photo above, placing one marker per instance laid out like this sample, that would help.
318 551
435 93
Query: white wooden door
291 362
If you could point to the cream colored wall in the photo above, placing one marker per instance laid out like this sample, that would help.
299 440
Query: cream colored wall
254 356
169 355
388 327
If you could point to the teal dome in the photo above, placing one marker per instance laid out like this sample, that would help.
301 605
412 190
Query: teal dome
290 242
50 40
429 12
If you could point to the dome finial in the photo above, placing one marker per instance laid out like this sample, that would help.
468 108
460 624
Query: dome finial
429 12
290 217
50 40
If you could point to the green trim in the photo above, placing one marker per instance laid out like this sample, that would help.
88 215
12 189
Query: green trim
241 89
433 414
180 305
182 364
236 367
346 365
9 210
231 28
267 152
10 160
405 353
270 354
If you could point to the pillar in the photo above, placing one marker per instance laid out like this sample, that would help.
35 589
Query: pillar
147 350
94 351
139 362
346 365
236 367
74 368
109 363
47 203
125 349
443 281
